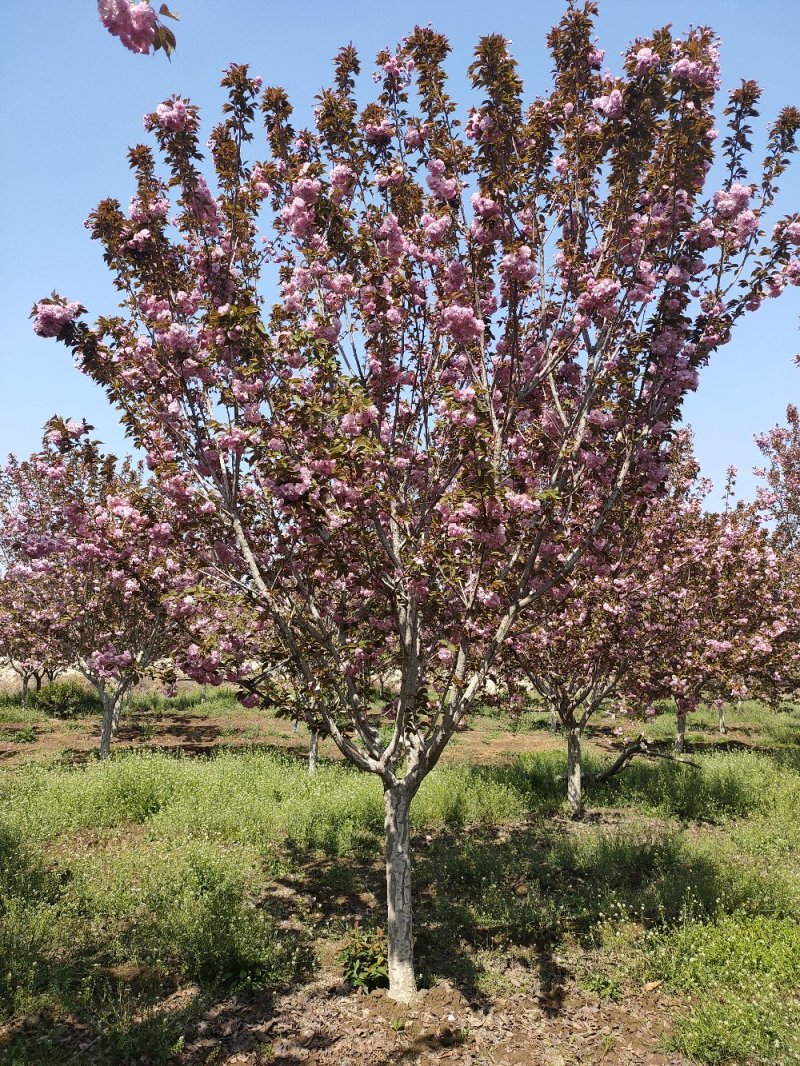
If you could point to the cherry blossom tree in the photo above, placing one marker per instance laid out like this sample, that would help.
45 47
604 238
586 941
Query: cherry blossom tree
662 598
375 364
779 499
25 648
84 532
577 652
721 614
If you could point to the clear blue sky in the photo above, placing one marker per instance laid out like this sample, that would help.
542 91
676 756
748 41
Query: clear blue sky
73 100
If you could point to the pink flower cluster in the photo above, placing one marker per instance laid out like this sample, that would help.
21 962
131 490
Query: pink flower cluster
461 323
343 178
599 296
610 105
51 318
728 203
646 59
703 72
134 24
299 214
174 115
442 188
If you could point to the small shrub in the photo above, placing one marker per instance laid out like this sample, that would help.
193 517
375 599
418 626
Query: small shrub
604 985
66 699
365 959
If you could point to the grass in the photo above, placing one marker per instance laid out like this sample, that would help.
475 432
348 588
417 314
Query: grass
151 878
742 973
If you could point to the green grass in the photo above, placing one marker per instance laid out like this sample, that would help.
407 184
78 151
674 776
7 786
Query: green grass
26 735
122 881
743 976
12 709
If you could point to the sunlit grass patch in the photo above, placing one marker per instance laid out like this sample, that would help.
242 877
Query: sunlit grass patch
742 975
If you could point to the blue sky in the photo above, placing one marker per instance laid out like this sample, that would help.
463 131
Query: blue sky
73 100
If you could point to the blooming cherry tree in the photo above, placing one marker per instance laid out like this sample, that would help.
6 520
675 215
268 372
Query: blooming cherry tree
26 647
376 364
82 536
721 616
779 498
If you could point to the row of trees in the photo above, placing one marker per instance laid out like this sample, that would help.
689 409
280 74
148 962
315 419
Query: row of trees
685 604
407 389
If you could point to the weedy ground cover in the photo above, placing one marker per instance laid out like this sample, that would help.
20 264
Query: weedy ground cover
135 893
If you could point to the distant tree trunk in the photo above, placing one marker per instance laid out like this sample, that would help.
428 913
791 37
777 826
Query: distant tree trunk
112 706
722 727
37 677
313 751
555 721
680 733
574 787
397 802
25 684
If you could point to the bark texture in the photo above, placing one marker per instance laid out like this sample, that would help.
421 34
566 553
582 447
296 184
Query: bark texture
680 735
111 714
574 784
402 983
313 752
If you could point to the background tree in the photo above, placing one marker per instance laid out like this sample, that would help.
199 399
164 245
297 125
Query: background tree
447 336
26 646
84 533
720 616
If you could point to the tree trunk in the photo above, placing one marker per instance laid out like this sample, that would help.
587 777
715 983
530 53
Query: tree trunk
722 727
402 983
25 683
574 790
111 713
313 747
555 722
680 734
38 679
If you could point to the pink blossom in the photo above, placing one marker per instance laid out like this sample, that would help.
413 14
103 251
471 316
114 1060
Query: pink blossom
51 318
443 188
417 135
700 72
175 114
610 105
646 59
730 202
260 183
746 225
134 24
519 265
436 226
376 133
342 178
462 325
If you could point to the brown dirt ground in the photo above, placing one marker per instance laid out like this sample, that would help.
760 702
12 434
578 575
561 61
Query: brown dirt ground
201 734
327 1025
